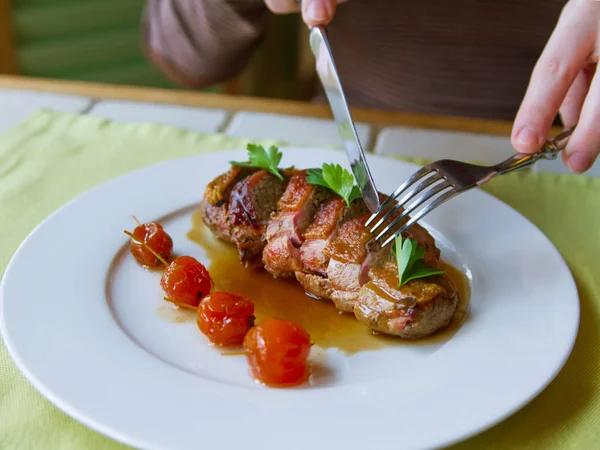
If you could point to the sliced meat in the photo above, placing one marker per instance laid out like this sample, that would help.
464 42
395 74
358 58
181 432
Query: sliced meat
327 217
417 309
330 216
281 256
218 190
215 203
348 264
320 233
315 285
297 194
216 219
294 210
297 229
350 244
313 256
251 203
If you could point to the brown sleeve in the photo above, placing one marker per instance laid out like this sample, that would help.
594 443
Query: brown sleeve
200 42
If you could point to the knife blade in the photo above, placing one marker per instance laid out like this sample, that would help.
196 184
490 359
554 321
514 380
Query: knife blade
332 85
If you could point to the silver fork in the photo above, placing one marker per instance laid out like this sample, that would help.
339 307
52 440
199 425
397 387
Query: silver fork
438 182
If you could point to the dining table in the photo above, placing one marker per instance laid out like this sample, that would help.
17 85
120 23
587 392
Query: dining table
46 123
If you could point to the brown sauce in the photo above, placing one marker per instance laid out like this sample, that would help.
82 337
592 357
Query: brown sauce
171 313
285 299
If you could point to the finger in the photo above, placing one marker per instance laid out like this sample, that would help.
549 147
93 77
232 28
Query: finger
566 52
318 12
584 145
283 6
571 106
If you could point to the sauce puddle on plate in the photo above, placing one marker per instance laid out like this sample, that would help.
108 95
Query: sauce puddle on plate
285 299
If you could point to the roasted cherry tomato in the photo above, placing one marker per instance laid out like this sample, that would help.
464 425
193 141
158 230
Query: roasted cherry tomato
277 351
225 318
153 235
186 280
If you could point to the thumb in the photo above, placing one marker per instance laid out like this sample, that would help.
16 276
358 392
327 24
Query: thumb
318 12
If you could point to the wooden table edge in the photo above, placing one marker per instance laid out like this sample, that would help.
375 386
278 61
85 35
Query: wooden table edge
374 117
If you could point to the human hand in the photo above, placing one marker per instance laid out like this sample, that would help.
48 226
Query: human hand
314 12
565 80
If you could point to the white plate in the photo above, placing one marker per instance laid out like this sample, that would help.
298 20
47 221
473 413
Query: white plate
79 318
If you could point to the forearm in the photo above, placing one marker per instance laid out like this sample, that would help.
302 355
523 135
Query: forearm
200 42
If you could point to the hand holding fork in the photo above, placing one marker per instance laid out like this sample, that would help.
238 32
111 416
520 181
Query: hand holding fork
438 182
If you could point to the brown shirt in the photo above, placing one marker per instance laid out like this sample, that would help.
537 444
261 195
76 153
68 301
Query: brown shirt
453 57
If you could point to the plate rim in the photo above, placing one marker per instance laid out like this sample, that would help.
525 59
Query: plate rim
123 438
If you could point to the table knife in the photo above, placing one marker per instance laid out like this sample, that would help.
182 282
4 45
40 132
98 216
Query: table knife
330 79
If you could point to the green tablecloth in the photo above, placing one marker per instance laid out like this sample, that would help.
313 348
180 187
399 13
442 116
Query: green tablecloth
53 157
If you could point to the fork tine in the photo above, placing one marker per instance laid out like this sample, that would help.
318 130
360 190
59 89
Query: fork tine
422 213
414 177
416 203
417 189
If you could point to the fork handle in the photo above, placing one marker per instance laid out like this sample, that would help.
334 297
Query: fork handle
549 151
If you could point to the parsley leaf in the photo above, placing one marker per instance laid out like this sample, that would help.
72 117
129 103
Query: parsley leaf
336 178
315 176
409 256
355 194
259 157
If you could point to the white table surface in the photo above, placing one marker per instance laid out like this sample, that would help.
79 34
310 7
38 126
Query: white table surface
17 105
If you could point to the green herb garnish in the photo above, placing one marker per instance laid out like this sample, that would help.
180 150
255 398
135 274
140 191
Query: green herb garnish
336 178
411 265
262 159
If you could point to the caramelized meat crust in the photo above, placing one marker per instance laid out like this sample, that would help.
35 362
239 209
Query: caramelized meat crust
245 203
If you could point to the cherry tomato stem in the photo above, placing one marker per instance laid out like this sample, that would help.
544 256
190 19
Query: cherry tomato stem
151 246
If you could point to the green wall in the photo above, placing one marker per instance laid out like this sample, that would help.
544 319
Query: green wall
89 40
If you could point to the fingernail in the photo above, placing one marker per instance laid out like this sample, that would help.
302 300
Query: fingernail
316 11
527 136
578 162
